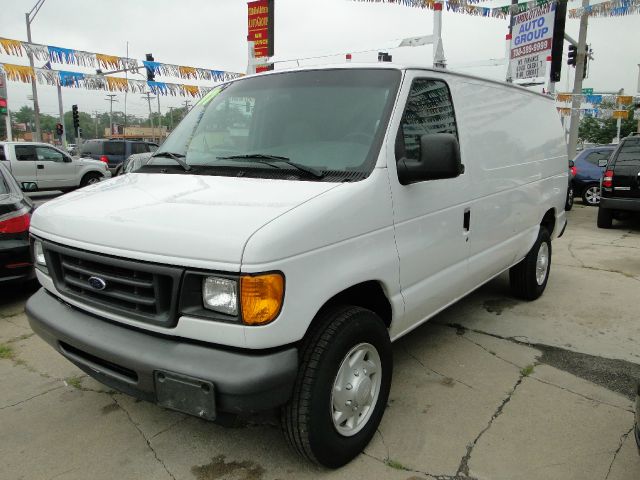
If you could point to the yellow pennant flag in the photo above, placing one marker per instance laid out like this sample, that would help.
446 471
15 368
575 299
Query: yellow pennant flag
192 90
11 47
188 72
625 100
19 73
117 84
108 61
623 114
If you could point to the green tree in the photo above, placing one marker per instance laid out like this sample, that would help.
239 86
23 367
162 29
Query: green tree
603 131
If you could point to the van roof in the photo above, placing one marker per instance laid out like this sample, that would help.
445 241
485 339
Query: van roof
400 67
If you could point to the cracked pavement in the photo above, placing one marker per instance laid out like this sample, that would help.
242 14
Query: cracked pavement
491 388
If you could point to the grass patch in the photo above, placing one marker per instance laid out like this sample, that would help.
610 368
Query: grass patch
6 352
394 464
75 382
526 371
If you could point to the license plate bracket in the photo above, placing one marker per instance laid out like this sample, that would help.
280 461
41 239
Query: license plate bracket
186 394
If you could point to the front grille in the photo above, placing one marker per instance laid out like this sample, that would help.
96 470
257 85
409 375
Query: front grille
137 290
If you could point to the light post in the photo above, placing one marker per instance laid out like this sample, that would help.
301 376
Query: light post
30 16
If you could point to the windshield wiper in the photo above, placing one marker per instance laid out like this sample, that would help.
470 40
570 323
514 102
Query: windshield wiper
174 156
265 158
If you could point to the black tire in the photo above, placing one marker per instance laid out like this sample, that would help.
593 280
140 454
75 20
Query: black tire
591 195
307 420
523 276
569 202
118 171
605 218
90 178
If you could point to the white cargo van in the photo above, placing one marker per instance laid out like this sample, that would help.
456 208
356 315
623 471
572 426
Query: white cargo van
292 226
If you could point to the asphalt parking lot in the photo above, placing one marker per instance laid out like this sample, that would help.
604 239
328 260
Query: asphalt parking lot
492 388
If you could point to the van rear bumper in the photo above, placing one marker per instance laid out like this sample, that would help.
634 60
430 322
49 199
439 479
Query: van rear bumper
130 360
627 204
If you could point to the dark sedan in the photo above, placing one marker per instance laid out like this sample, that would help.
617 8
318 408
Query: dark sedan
586 183
15 216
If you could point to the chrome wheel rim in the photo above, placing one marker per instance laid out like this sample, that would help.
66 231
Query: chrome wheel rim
356 389
93 180
592 195
542 263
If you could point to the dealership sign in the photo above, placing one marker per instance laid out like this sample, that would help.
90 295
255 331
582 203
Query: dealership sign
531 42
260 28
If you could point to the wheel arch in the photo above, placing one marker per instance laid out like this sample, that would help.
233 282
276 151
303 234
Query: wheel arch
549 221
369 294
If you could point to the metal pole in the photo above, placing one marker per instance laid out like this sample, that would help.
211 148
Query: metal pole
111 100
577 82
7 120
619 121
61 114
148 97
638 107
438 50
36 107
509 77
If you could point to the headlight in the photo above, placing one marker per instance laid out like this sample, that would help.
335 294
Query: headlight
220 295
38 254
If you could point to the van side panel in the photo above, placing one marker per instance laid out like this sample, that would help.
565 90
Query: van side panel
513 147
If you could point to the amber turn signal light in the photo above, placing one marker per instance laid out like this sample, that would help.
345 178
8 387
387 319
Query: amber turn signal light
261 297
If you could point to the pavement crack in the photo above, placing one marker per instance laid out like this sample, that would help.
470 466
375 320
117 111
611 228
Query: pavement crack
623 438
463 468
30 398
170 427
397 466
137 427
573 255
490 352
435 371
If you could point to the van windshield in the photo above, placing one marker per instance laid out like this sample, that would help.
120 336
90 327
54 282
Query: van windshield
328 121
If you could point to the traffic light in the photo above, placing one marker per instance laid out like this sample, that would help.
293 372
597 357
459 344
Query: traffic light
76 116
59 129
573 54
3 106
151 75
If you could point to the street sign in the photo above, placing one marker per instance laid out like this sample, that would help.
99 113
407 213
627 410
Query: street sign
531 42
587 91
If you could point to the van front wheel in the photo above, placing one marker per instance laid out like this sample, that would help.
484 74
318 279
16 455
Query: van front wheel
529 277
342 387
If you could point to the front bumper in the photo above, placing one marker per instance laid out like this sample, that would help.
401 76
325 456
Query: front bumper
626 204
130 360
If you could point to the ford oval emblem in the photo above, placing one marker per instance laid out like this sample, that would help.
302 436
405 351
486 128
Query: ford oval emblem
97 283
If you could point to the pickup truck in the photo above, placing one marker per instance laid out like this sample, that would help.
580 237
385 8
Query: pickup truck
50 168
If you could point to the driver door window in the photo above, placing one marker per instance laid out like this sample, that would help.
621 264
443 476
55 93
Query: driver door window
429 110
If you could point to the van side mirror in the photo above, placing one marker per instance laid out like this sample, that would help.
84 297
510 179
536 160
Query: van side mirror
67 159
439 158
603 162
29 186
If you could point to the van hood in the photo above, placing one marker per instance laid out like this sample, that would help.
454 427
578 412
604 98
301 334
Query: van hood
189 220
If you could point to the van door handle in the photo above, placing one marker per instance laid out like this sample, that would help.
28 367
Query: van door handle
467 219
40 167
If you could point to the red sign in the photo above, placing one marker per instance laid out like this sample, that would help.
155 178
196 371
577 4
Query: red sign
259 27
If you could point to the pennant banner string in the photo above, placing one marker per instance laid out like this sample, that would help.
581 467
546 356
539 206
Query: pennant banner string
45 76
46 53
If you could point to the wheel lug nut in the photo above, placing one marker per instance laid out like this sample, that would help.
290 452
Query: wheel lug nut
356 373
364 371
349 386
348 403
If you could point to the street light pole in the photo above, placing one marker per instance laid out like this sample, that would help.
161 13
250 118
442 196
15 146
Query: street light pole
30 16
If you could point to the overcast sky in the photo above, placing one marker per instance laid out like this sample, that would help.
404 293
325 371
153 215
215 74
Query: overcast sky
212 34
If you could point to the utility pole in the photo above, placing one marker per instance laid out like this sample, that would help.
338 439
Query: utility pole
30 17
171 109
438 50
581 55
148 97
159 119
110 98
95 113
187 104
619 121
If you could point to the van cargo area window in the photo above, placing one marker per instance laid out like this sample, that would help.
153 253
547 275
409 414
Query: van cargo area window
429 110
629 152
595 157
330 122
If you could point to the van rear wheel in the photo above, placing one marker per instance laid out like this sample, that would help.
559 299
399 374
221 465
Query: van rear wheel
529 277
342 387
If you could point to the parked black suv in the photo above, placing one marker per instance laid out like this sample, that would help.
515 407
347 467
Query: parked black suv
114 152
620 190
